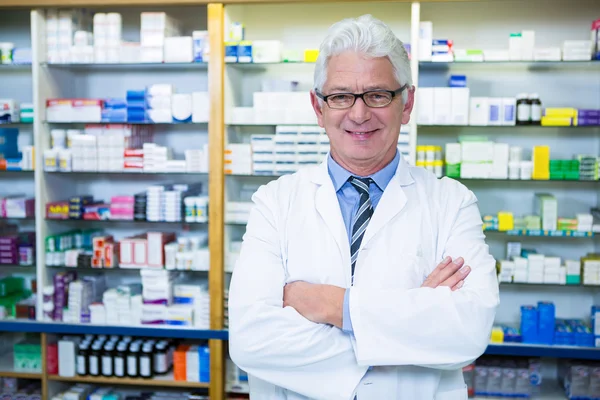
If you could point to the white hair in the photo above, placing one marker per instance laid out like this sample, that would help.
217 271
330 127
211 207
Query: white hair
368 36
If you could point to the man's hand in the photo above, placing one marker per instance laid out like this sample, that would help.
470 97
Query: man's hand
448 273
318 303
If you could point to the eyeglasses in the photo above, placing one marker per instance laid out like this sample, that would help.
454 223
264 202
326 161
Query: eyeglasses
372 98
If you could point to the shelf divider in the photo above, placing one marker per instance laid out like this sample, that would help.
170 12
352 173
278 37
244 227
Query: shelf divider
216 193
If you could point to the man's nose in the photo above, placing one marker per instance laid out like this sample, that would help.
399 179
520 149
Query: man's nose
359 112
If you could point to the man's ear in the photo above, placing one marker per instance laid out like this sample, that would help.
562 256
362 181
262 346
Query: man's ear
315 101
408 106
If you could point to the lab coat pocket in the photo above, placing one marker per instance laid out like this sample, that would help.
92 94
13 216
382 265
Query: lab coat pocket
455 394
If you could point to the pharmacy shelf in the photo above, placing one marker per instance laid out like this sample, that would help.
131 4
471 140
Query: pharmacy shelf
264 65
541 233
163 381
125 222
17 219
15 172
488 180
14 124
533 64
139 66
552 286
550 390
127 123
13 67
505 127
119 269
160 331
123 173
13 266
534 350
7 369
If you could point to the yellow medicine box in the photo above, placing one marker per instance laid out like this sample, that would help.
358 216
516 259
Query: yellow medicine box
506 221
557 121
541 163
561 112
310 55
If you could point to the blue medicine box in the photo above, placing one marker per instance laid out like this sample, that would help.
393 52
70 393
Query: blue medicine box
529 324
457 81
9 147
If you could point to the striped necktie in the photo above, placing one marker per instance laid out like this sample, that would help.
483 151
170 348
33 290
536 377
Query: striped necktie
362 217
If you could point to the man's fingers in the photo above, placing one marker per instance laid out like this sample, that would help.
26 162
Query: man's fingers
458 285
451 269
458 277
434 279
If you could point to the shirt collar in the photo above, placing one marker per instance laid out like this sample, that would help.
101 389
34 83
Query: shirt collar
339 175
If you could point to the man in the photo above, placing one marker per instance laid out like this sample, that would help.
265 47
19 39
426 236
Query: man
363 277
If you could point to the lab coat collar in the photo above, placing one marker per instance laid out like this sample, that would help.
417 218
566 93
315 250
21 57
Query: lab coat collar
391 203
402 176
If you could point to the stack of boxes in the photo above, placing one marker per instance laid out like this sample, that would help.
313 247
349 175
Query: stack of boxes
430 158
564 170
191 363
115 110
104 252
577 50
588 168
187 254
120 306
591 269
238 159
156 157
27 356
136 105
17 206
17 248
290 149
570 117
527 266
9 111
155 27
61 27
122 208
140 205
77 204
157 295
538 323
107 29
547 208
541 163
158 100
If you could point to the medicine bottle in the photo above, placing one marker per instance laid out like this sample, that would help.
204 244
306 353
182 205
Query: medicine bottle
119 359
94 360
161 362
146 361
107 359
523 109
132 360
536 109
82 359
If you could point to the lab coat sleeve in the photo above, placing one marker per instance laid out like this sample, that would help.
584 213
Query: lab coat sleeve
277 344
434 328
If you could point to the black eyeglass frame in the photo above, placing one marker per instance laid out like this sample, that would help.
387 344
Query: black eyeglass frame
393 93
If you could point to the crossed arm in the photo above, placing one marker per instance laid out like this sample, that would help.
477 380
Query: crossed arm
324 304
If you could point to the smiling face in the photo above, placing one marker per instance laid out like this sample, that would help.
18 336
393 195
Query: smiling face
363 139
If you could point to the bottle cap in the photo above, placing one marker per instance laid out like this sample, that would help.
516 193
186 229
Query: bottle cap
534 96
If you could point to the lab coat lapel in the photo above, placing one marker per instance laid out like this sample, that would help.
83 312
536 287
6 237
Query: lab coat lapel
328 207
391 203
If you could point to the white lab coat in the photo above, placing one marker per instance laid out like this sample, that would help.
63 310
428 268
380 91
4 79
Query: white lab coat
416 339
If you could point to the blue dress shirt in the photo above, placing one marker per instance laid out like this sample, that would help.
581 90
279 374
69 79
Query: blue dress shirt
349 198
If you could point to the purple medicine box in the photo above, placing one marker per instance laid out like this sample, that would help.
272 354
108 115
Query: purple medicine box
588 113
588 121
